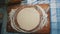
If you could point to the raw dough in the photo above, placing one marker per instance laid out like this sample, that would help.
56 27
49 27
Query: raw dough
28 18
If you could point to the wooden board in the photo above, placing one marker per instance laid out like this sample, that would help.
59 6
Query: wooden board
43 31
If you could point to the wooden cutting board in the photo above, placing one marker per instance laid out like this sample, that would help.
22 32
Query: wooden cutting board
45 30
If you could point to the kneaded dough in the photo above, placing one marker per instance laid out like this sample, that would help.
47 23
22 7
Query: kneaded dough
28 18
